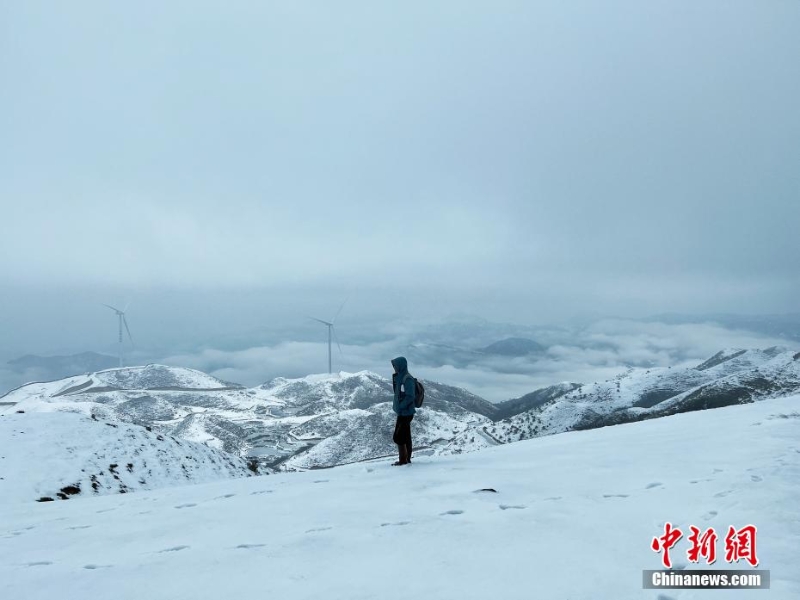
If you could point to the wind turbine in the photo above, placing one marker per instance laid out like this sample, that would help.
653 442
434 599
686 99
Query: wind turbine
122 320
331 331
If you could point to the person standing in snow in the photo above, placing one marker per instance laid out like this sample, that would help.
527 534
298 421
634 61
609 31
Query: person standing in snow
403 385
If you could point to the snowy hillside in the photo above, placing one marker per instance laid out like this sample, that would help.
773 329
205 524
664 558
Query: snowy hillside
150 377
730 377
570 516
57 455
535 399
281 422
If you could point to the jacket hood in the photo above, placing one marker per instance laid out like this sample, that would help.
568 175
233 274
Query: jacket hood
400 363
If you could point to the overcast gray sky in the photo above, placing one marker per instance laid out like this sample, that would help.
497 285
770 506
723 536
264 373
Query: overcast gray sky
524 161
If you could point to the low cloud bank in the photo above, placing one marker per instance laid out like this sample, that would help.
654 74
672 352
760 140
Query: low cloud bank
450 354
594 353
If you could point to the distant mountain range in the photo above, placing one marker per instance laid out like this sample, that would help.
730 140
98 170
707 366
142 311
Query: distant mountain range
734 376
85 362
325 420
514 347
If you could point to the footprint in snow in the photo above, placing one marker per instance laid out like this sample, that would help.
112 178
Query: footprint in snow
317 529
553 498
655 484
40 563
755 478
718 471
321 481
13 534
173 549
225 496
398 524
723 494
451 512
710 515
615 495
261 492
105 510
92 567
514 506
664 597
190 505
249 546
80 527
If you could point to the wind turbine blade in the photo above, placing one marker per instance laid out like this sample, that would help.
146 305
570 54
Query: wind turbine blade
126 307
124 320
112 308
337 340
340 310
321 321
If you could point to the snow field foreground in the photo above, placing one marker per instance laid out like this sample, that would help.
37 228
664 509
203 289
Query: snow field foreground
572 517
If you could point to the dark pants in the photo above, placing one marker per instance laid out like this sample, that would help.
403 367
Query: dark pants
402 433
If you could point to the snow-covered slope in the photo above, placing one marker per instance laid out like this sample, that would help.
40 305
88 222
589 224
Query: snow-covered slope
573 516
58 455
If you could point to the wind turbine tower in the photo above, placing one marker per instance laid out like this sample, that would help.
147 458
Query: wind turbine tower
331 332
122 321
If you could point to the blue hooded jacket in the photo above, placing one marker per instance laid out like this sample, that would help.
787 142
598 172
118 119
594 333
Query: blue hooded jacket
403 404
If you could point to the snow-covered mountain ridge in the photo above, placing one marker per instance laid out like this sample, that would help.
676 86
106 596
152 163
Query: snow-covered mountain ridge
732 376
315 421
